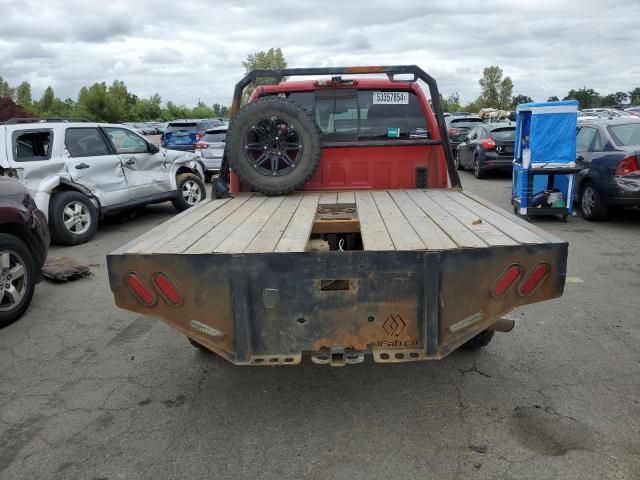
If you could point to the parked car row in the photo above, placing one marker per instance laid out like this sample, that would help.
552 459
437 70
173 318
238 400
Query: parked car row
590 113
80 172
607 146
148 128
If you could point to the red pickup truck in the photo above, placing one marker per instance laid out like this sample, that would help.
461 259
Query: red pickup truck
339 230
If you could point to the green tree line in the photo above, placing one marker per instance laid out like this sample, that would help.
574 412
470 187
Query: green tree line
115 103
106 103
496 91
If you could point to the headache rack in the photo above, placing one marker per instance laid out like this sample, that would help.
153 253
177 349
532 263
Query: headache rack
390 71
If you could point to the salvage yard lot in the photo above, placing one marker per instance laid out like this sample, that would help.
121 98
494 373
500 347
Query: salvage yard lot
90 391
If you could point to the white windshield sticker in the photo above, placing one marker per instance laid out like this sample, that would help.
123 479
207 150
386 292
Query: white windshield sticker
391 98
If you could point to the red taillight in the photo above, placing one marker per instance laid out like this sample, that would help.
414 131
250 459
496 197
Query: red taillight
506 280
201 145
534 278
139 288
167 289
627 166
199 136
453 131
488 144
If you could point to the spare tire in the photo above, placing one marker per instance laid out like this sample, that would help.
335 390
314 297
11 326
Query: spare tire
274 145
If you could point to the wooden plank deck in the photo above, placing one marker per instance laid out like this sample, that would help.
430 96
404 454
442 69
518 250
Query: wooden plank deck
436 219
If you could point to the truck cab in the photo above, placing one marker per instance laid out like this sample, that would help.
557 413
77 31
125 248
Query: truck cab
376 133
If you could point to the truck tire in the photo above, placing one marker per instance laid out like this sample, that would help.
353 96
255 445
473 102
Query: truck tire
274 145
479 341
593 208
73 218
17 278
189 191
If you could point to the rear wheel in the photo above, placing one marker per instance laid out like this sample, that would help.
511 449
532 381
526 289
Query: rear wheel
479 341
189 191
274 145
17 278
477 169
73 219
593 208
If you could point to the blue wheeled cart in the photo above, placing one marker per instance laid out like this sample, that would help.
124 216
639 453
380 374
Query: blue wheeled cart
544 163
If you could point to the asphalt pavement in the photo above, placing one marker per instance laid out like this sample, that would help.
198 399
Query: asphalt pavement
89 391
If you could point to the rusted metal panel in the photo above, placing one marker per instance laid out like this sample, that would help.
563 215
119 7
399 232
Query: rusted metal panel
399 306
475 272
207 294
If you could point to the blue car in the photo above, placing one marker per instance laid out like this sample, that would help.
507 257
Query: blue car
608 151
185 134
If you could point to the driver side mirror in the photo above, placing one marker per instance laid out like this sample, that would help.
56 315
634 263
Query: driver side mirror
153 148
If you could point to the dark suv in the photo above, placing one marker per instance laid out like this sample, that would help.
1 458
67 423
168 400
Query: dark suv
185 134
24 241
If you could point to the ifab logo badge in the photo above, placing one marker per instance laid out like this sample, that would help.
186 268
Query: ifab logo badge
394 325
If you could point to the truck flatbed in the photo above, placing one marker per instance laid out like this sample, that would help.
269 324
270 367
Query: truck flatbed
237 275
388 220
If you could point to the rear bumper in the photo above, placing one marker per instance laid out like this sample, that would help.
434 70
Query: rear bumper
211 164
493 161
624 192
273 309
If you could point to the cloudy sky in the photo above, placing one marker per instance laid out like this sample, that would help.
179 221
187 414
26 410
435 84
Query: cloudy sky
190 49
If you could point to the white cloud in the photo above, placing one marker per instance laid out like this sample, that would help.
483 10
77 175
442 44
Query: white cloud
193 49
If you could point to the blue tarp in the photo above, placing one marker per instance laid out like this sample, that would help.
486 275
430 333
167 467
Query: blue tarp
548 130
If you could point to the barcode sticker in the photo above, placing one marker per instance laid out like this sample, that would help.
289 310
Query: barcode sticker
390 98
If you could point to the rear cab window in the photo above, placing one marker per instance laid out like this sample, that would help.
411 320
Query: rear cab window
391 115
32 145
346 115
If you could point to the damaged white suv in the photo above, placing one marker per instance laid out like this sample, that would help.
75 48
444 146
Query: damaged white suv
79 172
